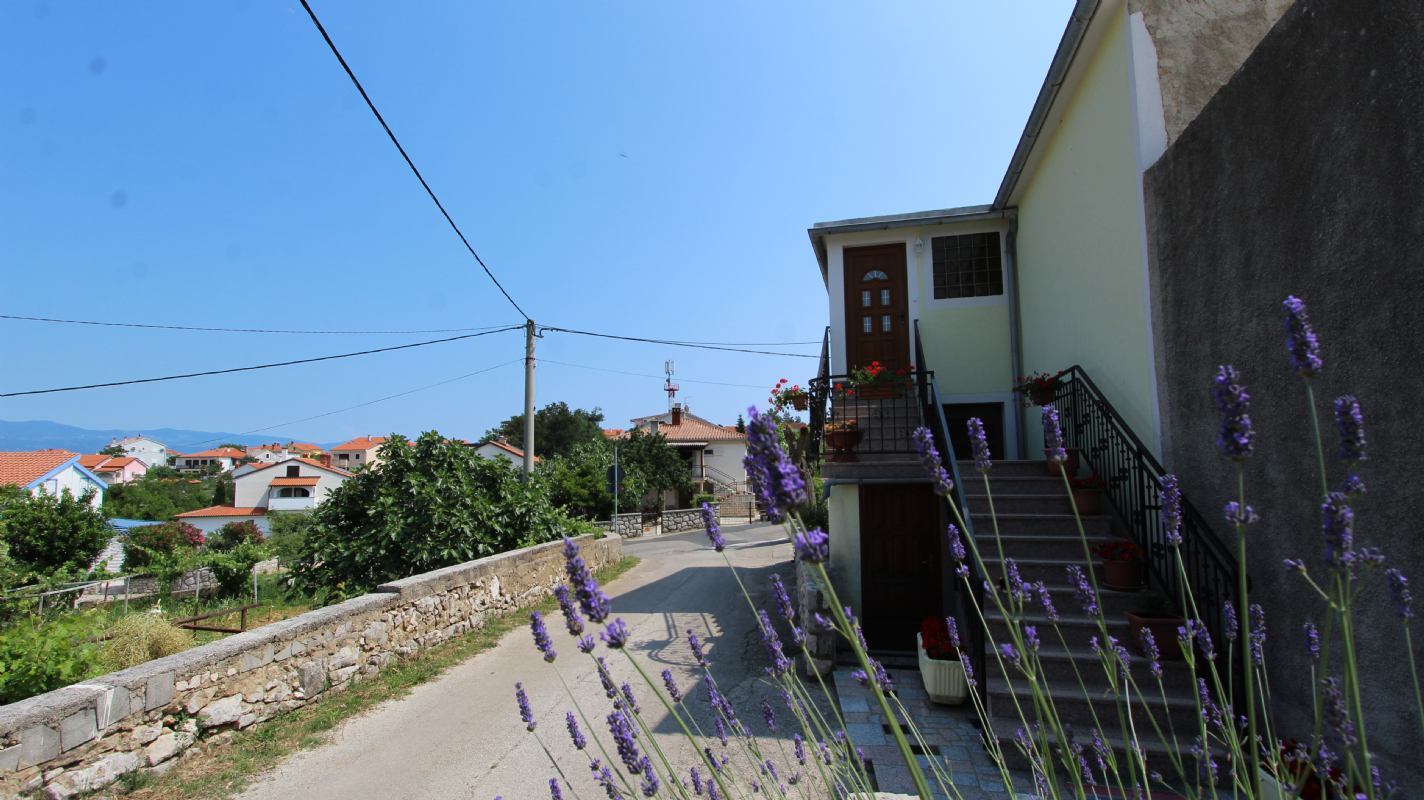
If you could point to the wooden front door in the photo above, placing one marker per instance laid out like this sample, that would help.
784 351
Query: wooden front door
876 302
900 562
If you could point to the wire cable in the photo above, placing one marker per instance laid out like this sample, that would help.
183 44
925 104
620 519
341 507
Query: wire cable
258 366
647 374
371 105
21 318
361 405
675 343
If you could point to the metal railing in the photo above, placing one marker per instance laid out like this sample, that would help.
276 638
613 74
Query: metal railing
819 391
973 631
1133 479
719 479
883 416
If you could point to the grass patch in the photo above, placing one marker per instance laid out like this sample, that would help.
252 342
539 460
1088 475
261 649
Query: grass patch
224 769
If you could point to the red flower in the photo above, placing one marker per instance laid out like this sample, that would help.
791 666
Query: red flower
934 636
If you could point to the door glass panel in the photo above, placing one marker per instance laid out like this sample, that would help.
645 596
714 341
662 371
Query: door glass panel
885 323
865 299
875 275
865 324
884 297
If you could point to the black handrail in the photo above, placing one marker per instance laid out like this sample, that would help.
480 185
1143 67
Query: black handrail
819 390
1133 478
972 631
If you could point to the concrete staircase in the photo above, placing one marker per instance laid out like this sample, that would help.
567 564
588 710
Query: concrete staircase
1037 531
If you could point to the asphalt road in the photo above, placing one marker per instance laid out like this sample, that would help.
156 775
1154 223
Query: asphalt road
460 736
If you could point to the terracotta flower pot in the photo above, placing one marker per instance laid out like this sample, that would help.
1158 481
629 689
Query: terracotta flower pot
843 444
1042 396
1164 633
800 402
1124 576
1088 501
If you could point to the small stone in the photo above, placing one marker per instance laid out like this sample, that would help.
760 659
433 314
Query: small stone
76 729
245 720
344 657
162 749
221 712
144 734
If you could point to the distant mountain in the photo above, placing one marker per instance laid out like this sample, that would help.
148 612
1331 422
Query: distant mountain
40 434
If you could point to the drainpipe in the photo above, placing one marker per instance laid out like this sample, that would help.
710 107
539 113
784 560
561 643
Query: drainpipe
1011 263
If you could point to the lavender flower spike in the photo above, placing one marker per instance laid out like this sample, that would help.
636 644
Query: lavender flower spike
931 461
572 620
1350 424
782 599
1237 439
595 604
1301 342
1312 640
1229 621
575 733
813 546
615 634
714 531
541 636
671 685
773 477
1399 592
525 712
1258 632
980 443
1337 524
1053 436
555 793
1172 509
1087 598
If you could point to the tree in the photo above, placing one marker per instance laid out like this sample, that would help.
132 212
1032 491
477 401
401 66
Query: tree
158 495
232 446
427 506
233 534
113 450
741 424
142 546
578 480
557 429
51 534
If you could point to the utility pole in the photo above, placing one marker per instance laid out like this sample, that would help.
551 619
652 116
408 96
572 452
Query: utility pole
528 398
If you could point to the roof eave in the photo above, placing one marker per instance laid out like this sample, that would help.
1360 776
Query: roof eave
918 219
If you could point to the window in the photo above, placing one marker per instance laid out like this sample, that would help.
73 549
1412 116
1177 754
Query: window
290 491
885 323
294 471
865 298
875 275
967 266
707 452
865 324
342 456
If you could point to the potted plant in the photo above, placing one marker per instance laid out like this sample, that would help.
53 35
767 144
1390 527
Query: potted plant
1038 388
1122 565
875 381
1152 611
842 436
793 395
1087 494
940 668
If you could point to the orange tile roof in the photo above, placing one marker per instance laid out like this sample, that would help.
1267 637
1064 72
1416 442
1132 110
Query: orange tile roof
92 460
295 481
223 511
307 461
613 433
25 467
696 429
361 443
221 452
303 447
102 463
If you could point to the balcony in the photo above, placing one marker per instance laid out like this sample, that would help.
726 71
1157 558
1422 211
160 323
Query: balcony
291 503
866 431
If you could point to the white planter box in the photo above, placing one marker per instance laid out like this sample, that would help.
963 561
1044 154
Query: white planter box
944 680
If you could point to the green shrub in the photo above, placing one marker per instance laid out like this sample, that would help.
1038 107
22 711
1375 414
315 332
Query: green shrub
233 568
142 637
426 506
160 494
703 497
143 545
234 533
34 659
47 534
289 534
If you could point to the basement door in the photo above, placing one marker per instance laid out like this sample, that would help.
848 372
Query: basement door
877 320
901 567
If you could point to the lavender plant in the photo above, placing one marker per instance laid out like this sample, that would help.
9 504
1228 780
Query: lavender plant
1226 748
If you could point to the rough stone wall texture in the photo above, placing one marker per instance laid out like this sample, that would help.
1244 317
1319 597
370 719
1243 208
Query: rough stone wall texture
686 519
1303 176
627 526
630 526
1200 44
810 600
86 736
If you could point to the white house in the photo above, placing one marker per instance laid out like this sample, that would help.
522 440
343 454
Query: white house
114 469
150 451
269 453
296 484
714 452
494 448
51 472
223 457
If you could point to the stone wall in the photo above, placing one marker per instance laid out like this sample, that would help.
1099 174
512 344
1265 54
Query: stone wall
627 526
630 526
83 737
810 600
689 519
1302 176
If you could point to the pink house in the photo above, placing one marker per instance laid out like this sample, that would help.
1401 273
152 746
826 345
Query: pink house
114 469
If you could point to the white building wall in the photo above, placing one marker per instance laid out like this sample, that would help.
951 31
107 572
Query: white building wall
73 480
251 490
727 458
150 452
488 450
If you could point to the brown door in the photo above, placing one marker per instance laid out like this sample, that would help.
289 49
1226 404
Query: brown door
877 321
900 565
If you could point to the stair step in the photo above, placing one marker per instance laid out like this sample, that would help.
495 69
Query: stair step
1033 569
1012 468
1003 723
1042 523
1035 545
1013 484
1023 503
1075 707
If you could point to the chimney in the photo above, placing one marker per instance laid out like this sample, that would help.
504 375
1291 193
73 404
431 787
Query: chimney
325 459
676 414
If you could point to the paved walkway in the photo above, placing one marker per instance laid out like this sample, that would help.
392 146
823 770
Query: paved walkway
459 736
951 731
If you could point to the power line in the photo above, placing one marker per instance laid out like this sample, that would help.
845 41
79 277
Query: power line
675 343
239 330
371 105
648 375
258 366
363 405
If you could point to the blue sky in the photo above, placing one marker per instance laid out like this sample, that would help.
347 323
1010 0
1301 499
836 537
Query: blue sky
638 168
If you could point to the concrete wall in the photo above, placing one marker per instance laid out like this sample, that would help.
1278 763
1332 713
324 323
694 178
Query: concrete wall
1081 269
726 457
251 489
86 736
1302 175
844 566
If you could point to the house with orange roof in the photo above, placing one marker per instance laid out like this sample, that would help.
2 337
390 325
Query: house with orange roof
714 452
51 472
304 449
225 458
358 452
114 469
150 451
293 484
498 448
